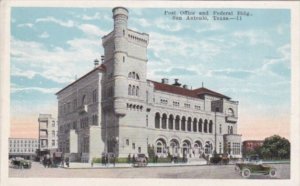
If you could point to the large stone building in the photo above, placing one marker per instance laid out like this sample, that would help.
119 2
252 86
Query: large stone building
115 108
23 147
47 133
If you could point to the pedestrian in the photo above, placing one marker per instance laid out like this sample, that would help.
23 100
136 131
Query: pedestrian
67 161
133 159
129 158
44 160
114 159
62 160
106 159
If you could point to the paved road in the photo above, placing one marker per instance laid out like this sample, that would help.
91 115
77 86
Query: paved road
190 172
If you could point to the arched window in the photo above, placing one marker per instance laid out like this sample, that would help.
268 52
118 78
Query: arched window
164 121
228 130
157 120
159 147
137 91
129 89
83 101
231 130
195 125
171 119
205 125
208 147
189 125
177 120
133 90
210 130
130 74
183 123
200 125
137 77
230 112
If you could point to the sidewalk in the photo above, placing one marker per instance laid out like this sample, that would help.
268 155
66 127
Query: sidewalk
76 165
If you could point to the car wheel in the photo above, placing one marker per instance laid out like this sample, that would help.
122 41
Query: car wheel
272 173
246 173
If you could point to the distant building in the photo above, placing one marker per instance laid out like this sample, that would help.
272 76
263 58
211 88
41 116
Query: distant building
23 147
250 145
114 108
47 133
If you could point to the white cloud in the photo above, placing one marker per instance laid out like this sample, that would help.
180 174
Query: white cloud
68 23
253 37
38 89
141 21
96 16
44 35
29 25
171 26
32 58
91 30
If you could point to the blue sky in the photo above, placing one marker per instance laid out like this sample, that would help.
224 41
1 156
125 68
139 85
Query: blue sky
247 60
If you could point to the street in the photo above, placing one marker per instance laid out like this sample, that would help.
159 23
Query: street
189 172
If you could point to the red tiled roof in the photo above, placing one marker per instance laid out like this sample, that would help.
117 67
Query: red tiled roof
101 68
196 93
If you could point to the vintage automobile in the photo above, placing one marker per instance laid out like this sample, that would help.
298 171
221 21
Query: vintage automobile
140 160
254 166
20 163
220 159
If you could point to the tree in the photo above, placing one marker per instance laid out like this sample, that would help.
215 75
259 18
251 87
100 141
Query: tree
275 147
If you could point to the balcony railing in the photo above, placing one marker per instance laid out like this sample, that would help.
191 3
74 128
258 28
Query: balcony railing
231 119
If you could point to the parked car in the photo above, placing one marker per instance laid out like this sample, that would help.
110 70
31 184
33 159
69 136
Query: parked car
253 166
20 163
140 160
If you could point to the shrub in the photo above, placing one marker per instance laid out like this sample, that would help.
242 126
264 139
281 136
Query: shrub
97 160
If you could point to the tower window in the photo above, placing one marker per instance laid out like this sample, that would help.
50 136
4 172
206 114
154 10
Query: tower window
123 59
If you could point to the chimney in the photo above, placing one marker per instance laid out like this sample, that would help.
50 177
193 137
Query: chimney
96 63
176 83
165 80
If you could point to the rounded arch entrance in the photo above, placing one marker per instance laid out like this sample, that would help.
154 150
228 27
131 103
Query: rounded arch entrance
186 147
174 147
197 148
208 147
160 147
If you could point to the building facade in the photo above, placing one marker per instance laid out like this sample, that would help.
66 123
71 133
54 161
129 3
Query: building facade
251 145
47 133
115 108
23 147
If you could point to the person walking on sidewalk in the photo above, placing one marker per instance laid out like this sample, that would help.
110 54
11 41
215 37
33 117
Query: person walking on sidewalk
129 158
67 161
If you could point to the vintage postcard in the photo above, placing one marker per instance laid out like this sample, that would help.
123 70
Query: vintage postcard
150 93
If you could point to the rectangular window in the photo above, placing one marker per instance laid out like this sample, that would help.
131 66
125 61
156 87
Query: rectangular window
133 146
220 129
53 133
53 142
127 142
175 103
146 120
53 123
197 107
94 96
163 101
187 105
